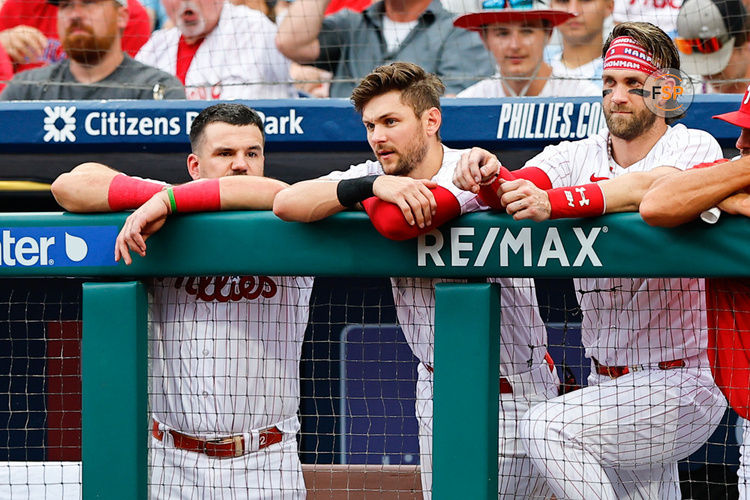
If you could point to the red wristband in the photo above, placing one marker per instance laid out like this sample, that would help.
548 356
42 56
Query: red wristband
198 196
127 192
534 174
489 192
576 201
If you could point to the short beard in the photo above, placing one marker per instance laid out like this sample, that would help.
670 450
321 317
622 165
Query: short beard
411 157
87 48
639 122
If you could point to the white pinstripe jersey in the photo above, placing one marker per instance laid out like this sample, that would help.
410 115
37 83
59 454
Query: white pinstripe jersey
522 329
225 352
635 321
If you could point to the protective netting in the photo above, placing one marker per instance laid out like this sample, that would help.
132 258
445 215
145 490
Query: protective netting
363 392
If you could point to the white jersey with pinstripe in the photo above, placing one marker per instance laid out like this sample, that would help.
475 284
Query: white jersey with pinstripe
622 438
225 355
522 353
635 321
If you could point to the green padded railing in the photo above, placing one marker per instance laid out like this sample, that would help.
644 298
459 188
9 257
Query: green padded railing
477 245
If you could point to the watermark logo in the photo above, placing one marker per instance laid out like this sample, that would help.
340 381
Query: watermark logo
668 92
59 124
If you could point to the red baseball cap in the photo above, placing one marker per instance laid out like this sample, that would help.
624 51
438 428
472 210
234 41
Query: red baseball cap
741 117
510 11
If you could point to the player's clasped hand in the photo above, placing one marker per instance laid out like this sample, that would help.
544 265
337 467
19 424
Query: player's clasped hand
475 168
412 196
139 225
523 200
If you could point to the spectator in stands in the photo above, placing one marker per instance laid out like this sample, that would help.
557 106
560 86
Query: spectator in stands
220 51
28 32
516 38
580 55
662 13
713 42
350 44
97 67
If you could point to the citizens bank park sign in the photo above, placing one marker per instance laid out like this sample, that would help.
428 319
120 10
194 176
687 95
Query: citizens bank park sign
316 124
328 124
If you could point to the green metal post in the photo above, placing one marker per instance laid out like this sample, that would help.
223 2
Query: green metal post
114 391
467 347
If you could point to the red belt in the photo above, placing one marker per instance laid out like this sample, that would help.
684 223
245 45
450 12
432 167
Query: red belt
505 387
618 371
233 446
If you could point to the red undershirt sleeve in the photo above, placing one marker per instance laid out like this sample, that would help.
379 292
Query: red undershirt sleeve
390 222
488 192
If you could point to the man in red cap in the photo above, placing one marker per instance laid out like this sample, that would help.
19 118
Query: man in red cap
681 197
516 37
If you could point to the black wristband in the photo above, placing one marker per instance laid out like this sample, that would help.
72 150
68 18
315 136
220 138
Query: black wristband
352 191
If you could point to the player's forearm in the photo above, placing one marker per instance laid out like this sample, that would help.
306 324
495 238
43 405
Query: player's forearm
625 193
85 188
681 196
297 37
308 201
249 192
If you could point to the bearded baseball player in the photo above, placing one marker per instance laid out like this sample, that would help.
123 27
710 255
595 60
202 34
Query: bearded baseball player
408 191
681 197
225 350
651 399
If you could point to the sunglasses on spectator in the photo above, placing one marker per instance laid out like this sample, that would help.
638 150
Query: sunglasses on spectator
507 4
703 45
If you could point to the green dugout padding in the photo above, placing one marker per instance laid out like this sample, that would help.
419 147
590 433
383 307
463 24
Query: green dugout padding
474 245
466 377
114 391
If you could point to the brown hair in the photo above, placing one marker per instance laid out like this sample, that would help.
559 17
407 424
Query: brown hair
650 37
419 89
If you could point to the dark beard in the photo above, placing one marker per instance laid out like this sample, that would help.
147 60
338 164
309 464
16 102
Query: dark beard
412 157
629 129
86 48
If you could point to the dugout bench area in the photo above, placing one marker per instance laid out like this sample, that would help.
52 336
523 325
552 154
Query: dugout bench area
304 139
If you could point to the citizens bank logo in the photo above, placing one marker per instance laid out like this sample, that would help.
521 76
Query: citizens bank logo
59 124
57 246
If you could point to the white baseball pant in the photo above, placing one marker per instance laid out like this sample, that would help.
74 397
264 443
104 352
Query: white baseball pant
272 473
621 438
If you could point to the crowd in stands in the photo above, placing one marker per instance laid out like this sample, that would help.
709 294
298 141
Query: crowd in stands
226 49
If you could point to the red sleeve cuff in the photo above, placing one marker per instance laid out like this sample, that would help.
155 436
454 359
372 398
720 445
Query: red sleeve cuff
390 222
576 201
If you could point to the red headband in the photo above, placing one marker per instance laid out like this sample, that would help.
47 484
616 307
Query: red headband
625 53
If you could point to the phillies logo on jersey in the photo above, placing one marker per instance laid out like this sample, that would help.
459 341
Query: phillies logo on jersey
226 288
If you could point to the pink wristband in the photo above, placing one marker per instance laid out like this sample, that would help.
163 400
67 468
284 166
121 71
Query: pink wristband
576 201
198 196
127 192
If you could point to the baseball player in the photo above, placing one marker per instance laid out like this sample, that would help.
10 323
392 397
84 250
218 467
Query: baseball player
516 37
681 197
225 349
220 51
651 400
413 193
